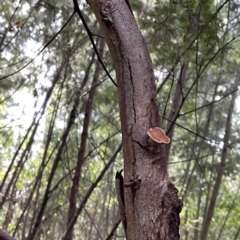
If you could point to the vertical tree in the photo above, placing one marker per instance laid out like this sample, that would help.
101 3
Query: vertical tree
152 205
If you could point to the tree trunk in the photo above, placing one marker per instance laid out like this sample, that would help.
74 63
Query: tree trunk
152 205
81 153
5 236
175 110
221 168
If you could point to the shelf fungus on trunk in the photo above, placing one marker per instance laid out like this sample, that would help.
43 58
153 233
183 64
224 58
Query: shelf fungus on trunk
156 136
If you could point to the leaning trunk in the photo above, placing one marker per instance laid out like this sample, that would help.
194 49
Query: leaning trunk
152 206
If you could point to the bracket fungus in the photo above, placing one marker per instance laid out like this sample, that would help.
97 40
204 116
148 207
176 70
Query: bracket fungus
156 136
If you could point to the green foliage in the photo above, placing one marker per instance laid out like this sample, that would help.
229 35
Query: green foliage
37 99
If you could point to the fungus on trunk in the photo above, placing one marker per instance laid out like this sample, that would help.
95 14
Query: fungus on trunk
156 136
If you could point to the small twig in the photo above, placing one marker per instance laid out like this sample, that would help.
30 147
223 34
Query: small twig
78 11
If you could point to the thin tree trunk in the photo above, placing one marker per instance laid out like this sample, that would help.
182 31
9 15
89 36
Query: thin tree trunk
71 120
188 180
81 153
37 183
114 228
196 230
178 95
5 236
152 205
220 234
89 192
10 211
33 128
186 231
222 165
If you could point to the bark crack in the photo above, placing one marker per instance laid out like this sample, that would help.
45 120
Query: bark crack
133 96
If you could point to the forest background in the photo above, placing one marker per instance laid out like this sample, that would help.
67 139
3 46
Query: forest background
59 116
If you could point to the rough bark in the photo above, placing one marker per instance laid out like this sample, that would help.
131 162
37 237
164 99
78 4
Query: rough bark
152 205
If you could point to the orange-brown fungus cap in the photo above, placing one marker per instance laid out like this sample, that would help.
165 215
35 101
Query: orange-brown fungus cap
158 135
